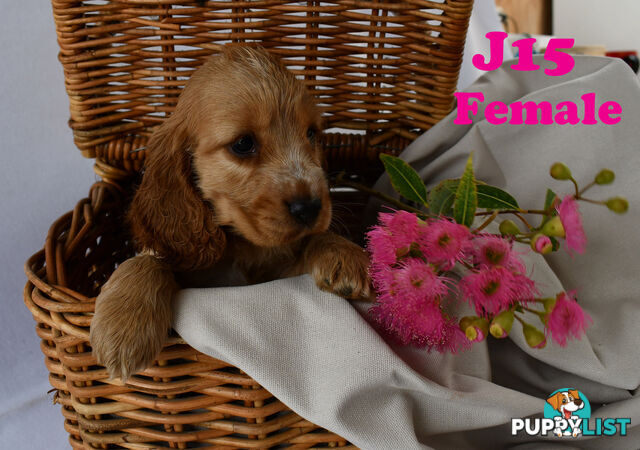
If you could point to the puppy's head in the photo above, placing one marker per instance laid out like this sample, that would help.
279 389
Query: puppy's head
242 140
256 156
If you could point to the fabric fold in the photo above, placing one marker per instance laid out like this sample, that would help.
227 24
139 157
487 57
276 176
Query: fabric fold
318 354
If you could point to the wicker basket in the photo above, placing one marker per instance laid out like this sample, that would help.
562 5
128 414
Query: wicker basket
384 72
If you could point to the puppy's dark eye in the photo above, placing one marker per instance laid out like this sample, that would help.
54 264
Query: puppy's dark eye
244 146
311 134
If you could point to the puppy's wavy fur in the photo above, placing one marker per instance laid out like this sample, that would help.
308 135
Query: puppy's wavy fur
202 207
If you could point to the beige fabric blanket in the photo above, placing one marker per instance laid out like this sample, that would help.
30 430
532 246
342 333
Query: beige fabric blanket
317 353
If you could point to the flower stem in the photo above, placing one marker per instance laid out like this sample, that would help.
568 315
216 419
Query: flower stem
575 185
540 314
514 211
341 181
519 319
486 223
588 200
584 189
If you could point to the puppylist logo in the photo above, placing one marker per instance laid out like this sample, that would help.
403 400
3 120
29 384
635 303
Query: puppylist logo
566 414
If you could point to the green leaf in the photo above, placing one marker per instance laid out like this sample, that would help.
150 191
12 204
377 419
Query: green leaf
466 201
548 201
404 179
555 245
442 196
491 197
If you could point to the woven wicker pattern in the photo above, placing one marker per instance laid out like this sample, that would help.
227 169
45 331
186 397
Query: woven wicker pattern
386 69
186 399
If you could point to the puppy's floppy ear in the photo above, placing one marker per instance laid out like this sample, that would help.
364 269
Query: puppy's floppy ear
555 400
168 214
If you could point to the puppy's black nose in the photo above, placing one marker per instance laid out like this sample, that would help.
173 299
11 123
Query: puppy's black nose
578 402
305 210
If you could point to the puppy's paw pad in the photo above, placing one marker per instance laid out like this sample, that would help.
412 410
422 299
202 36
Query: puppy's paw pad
344 270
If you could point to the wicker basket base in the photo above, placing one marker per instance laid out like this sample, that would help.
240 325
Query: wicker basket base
185 400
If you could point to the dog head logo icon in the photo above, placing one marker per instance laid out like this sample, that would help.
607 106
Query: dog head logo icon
567 407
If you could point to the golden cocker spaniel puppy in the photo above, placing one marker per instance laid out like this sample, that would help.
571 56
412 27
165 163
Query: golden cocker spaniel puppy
233 180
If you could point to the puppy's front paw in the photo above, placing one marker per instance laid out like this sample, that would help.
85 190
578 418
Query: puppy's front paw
342 267
132 316
122 346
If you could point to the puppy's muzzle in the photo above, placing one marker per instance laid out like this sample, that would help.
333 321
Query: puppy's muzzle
305 210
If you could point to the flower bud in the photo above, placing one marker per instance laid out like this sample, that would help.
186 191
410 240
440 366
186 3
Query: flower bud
618 205
549 303
475 328
466 321
559 171
605 176
541 244
553 227
509 227
534 337
501 324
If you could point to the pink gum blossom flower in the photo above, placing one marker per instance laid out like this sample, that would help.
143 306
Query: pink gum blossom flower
569 214
381 247
393 238
525 288
567 319
418 323
489 250
494 289
402 227
417 279
449 338
444 242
